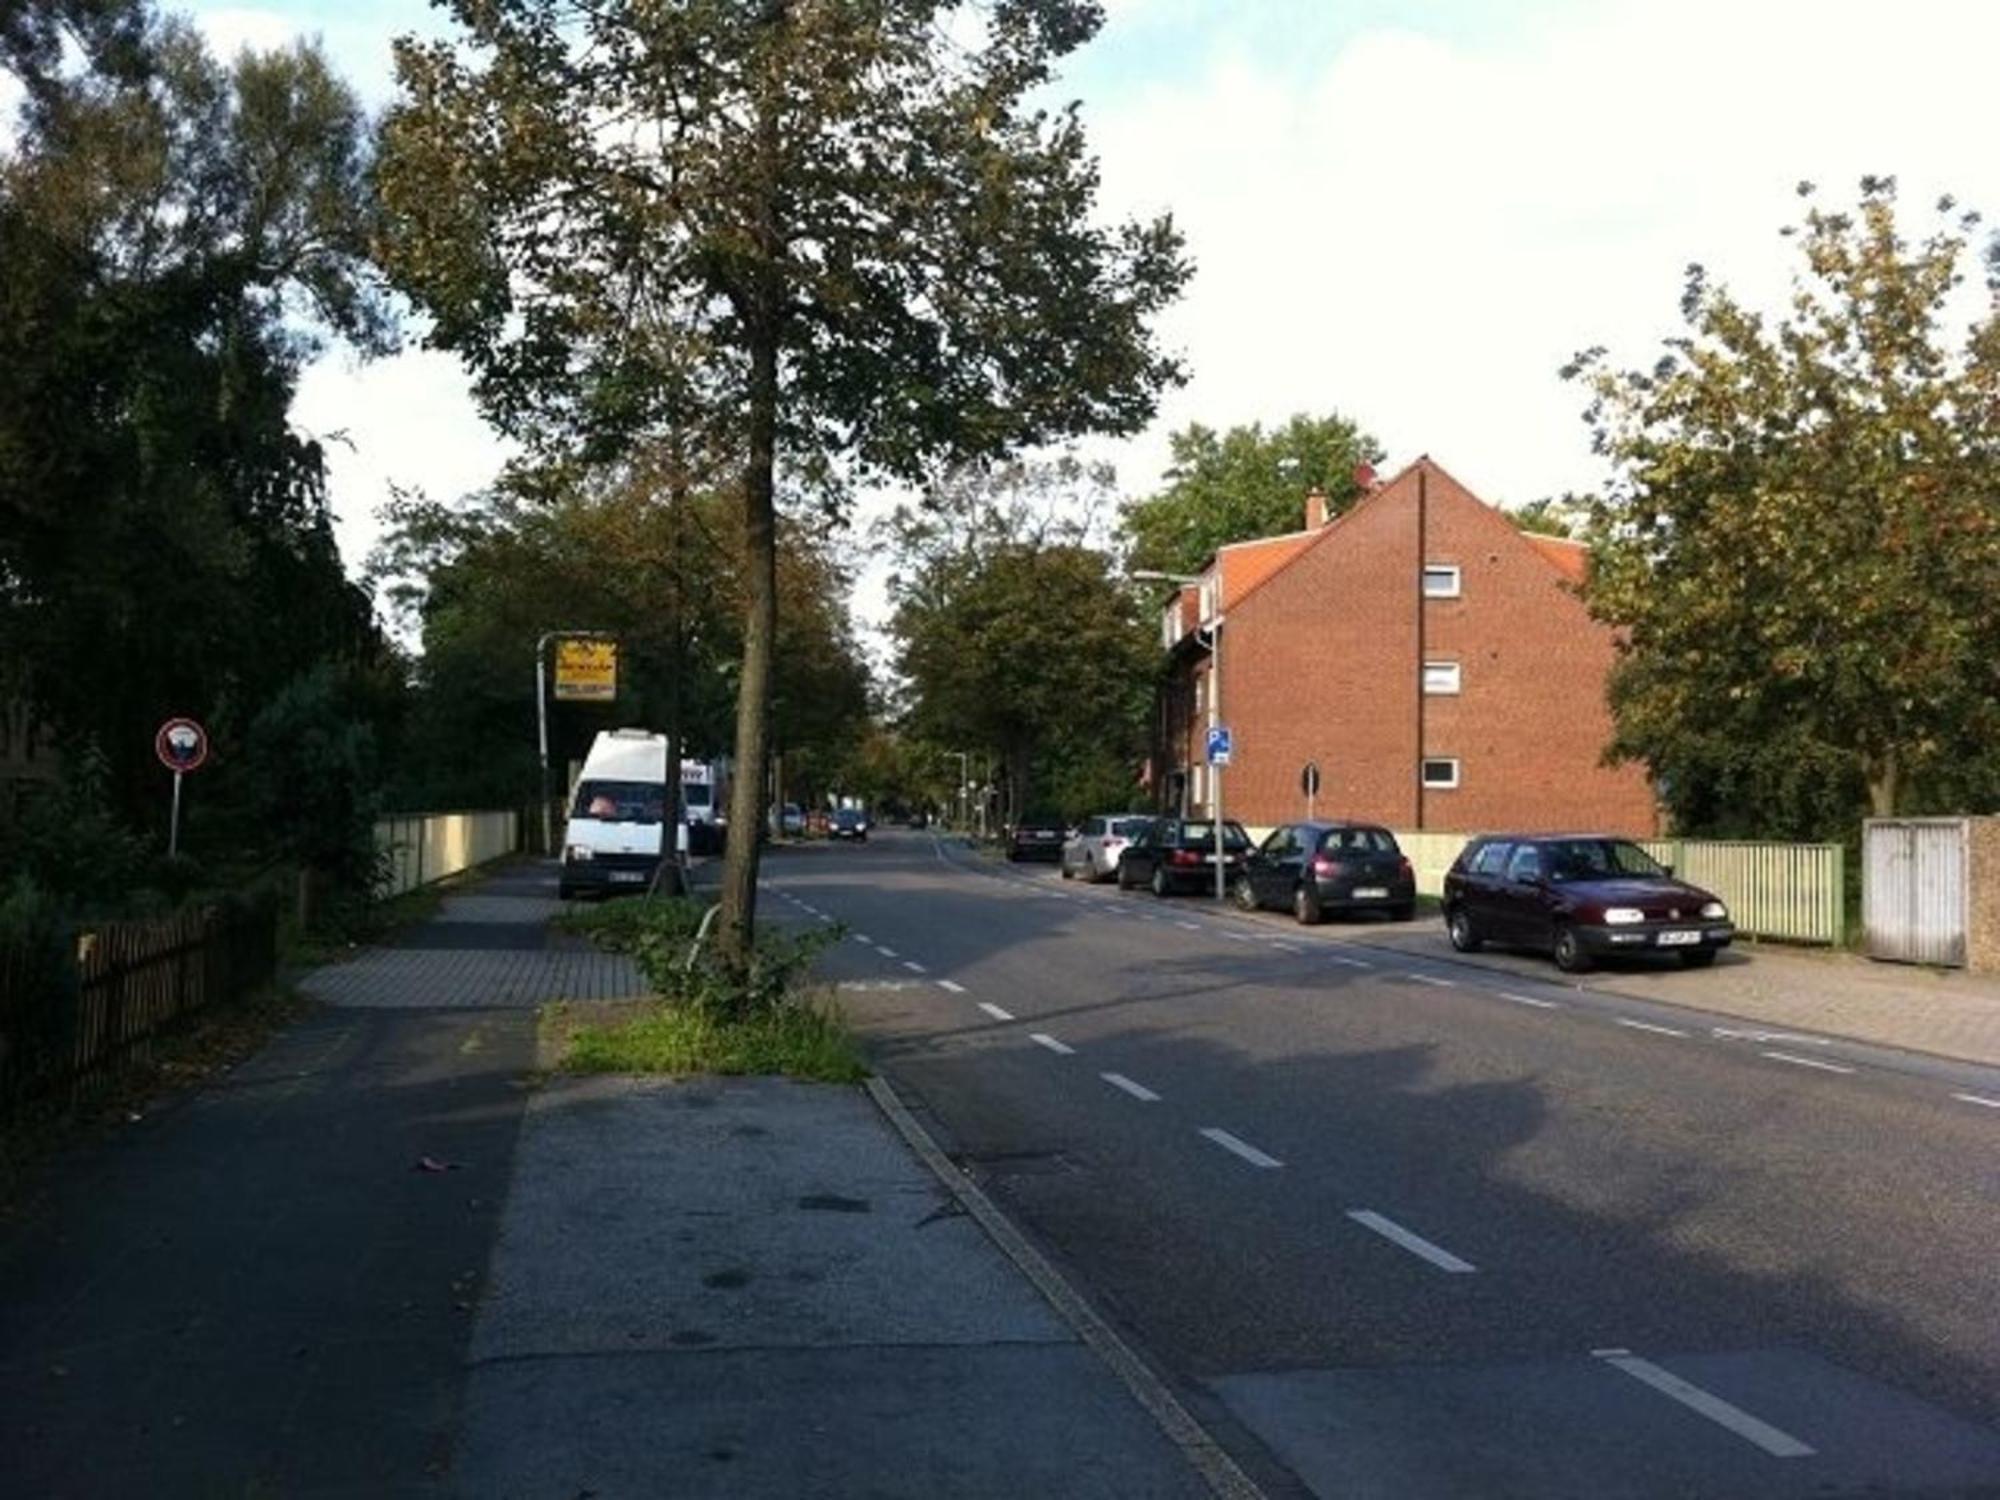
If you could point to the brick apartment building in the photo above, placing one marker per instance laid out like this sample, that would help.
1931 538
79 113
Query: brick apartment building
1422 650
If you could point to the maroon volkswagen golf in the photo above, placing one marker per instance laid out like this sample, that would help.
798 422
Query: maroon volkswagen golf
1580 897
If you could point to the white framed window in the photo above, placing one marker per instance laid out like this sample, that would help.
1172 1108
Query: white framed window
1441 677
1211 605
1441 580
1440 772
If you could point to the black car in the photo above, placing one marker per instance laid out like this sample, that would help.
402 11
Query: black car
849 823
1579 897
1314 868
1178 854
1037 837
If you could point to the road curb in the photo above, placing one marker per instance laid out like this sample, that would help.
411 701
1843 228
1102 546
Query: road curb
1206 1456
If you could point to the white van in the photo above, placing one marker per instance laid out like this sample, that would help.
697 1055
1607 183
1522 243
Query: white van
612 839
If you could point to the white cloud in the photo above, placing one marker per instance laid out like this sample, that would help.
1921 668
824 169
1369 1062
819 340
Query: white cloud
407 421
1419 233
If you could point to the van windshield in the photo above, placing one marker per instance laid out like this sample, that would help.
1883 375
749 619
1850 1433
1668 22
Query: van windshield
620 801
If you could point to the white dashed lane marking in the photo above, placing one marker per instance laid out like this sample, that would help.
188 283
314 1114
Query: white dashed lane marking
946 984
1238 1147
1527 1000
1432 979
1352 963
1774 1442
914 967
995 1011
1137 1090
1647 1026
886 951
1043 1039
1805 1062
1977 1099
1416 1244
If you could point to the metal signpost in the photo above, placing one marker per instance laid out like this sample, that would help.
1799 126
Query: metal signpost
1220 744
182 746
586 672
1309 784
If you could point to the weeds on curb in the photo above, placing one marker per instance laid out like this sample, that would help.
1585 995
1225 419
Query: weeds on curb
707 1018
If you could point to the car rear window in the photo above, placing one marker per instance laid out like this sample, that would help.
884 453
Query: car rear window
1233 836
1359 841
1127 828
1491 858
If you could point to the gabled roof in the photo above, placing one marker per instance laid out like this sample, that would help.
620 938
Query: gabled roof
1570 559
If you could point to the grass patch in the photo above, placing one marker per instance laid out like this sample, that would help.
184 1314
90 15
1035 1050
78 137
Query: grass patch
619 923
806 1039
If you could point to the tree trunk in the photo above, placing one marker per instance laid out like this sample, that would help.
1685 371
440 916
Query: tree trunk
734 941
753 698
1884 783
672 870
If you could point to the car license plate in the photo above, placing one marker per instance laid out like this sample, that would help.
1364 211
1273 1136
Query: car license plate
1371 892
627 877
1677 939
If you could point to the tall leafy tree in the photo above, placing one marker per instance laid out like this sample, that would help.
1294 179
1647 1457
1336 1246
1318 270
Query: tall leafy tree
826 238
176 235
1800 537
1015 635
1242 484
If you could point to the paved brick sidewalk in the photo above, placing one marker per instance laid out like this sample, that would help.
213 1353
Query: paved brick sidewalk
488 946
1946 1013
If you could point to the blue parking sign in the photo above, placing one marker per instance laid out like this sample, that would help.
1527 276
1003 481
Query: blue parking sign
1219 744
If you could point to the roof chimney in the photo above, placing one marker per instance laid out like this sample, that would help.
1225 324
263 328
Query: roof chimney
1315 508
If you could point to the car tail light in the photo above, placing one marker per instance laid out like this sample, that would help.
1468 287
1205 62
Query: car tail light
1184 857
1328 867
1403 867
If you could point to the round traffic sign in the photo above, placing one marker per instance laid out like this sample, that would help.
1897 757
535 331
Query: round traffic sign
181 744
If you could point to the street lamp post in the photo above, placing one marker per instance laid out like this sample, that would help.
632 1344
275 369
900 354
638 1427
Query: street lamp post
1214 643
542 721
964 780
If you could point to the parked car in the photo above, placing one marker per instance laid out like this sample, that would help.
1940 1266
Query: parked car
1091 852
1318 867
1580 897
1037 836
850 823
792 821
1178 854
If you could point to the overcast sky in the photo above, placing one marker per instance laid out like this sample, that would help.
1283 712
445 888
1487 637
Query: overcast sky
1410 213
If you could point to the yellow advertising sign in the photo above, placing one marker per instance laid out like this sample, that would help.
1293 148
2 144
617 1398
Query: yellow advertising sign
586 671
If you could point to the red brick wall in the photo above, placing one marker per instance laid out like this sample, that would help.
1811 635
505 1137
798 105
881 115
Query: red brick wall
1320 663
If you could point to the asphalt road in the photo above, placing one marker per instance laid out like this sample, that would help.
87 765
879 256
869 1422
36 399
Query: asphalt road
1399 1226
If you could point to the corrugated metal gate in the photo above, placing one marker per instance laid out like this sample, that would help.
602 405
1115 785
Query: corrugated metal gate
1914 889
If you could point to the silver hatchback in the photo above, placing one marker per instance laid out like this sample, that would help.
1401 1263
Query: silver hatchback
1091 853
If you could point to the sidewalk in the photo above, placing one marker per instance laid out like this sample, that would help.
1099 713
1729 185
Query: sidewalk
1944 1012
383 1259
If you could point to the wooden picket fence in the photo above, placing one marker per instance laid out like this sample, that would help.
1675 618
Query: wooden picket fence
78 1005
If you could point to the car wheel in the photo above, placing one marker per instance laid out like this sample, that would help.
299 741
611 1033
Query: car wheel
1246 894
1464 936
1124 877
1403 911
1570 957
1697 958
1067 872
1305 904
1160 886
